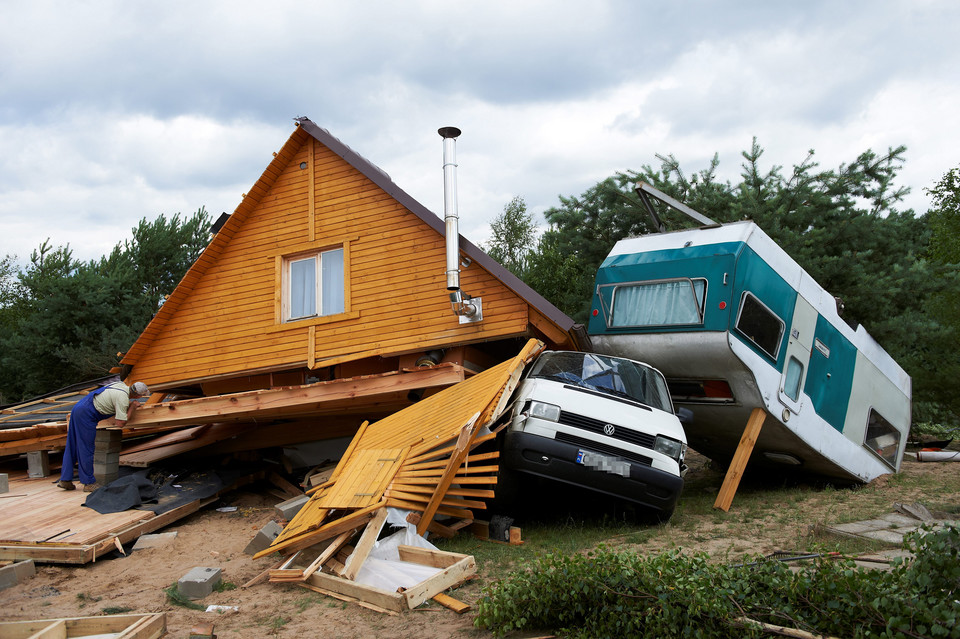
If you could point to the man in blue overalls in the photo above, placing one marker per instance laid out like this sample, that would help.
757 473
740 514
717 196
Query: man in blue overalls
105 402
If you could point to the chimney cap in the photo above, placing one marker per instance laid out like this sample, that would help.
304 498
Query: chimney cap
448 132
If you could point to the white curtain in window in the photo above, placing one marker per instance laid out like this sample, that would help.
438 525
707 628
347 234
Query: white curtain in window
303 288
332 282
659 304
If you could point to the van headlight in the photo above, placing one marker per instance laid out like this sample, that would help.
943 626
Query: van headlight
670 447
548 412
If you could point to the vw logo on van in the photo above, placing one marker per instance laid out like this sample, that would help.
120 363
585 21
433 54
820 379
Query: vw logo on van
609 430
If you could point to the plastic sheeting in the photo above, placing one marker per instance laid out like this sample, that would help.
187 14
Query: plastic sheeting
383 568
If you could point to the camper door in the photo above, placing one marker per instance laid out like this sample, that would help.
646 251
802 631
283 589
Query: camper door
798 355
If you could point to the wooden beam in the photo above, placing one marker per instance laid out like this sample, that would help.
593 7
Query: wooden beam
455 605
460 452
327 553
740 458
332 529
282 402
364 546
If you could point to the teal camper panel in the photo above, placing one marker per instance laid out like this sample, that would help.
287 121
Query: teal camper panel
712 262
830 376
759 279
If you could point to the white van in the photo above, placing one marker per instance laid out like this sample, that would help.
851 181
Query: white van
599 422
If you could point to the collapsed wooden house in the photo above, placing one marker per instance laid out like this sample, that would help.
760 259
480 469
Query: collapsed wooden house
320 304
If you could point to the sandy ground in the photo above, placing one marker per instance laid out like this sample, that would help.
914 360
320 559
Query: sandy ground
135 583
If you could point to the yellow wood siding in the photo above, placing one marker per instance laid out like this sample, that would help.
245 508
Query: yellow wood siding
397 298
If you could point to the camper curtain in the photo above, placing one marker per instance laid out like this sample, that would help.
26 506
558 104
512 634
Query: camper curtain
659 304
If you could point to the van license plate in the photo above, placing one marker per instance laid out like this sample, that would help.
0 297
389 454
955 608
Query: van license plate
604 462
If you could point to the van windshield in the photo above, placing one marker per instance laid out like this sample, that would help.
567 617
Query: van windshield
611 375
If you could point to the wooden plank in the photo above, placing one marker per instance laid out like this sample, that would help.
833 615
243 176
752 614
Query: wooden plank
429 557
457 457
287 401
740 458
148 626
449 602
448 578
375 596
332 529
327 553
364 546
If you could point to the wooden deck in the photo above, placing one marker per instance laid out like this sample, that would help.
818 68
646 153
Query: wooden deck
47 524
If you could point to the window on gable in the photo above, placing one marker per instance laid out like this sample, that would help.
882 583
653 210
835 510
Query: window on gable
313 285
760 325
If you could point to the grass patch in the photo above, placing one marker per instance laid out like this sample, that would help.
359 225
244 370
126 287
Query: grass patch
116 610
305 602
84 599
224 586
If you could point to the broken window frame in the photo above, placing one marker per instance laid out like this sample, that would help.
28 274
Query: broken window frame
878 426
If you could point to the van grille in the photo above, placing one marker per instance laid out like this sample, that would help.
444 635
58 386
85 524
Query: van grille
589 444
644 440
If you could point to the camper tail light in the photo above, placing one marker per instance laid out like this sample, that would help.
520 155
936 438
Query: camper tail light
541 410
670 447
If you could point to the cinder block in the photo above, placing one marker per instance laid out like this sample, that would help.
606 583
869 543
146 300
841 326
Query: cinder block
263 538
15 573
4 483
106 457
287 509
156 540
38 464
199 582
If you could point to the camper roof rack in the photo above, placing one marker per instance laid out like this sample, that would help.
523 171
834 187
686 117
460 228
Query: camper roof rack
645 191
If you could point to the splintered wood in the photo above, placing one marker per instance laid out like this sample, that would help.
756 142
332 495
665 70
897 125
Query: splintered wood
419 459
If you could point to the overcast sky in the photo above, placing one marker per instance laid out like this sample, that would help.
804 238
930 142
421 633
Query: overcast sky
112 111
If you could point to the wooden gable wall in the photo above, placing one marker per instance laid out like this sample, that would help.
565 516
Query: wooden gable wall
227 322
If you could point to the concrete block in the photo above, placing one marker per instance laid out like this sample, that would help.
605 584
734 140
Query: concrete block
109 435
4 483
106 457
16 573
287 509
156 540
199 582
38 464
263 538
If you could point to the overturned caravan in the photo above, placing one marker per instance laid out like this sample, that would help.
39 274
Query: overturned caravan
736 325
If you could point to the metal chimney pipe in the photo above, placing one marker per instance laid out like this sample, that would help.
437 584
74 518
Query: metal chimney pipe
450 215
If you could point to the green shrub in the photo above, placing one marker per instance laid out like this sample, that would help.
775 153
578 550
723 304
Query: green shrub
610 594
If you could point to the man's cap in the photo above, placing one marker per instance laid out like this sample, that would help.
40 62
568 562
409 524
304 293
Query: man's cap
139 388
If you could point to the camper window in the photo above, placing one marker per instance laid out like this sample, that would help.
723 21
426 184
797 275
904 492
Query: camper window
791 381
658 303
882 438
760 325
313 285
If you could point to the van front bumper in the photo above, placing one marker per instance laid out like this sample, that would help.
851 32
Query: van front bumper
556 460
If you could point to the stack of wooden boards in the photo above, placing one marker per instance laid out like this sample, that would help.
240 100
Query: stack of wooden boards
420 459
